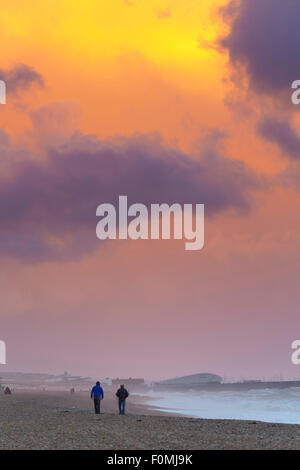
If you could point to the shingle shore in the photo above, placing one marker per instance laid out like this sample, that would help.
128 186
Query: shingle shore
57 420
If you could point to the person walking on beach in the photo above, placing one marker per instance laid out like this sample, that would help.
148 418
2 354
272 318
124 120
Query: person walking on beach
98 395
122 394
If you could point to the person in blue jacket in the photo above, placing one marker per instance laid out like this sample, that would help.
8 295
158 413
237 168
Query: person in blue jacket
98 395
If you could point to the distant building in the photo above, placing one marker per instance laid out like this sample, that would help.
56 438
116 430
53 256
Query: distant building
194 379
251 381
107 381
131 382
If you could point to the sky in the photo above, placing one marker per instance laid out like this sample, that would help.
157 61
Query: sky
164 101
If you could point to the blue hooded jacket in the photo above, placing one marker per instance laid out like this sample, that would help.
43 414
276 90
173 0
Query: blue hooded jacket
97 391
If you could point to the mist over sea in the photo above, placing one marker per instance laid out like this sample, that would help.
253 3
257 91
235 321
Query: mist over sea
269 405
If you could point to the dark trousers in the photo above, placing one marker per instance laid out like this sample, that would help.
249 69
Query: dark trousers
97 405
122 402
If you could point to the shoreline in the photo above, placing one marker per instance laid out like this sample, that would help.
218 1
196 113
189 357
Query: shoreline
269 407
58 420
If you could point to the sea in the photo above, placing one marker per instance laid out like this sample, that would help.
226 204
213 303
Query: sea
269 405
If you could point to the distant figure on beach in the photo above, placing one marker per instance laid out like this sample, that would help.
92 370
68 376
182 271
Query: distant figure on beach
98 395
7 391
122 394
72 391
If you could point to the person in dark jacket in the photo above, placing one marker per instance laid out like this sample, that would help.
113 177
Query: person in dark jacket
98 395
122 394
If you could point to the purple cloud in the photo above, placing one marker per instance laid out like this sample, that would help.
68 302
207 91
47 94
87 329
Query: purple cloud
47 209
20 77
264 39
281 133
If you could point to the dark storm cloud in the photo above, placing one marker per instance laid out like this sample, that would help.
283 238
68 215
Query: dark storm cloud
281 133
47 210
20 77
265 39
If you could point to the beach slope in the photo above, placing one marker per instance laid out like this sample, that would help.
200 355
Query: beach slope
57 420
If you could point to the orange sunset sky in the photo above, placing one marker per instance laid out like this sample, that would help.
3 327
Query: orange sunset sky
183 101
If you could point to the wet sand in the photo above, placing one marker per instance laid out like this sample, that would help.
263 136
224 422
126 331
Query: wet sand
57 420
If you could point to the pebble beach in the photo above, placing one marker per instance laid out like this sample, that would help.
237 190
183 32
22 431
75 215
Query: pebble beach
57 420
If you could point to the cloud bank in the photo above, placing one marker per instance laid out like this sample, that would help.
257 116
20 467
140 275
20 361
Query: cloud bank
47 207
264 39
